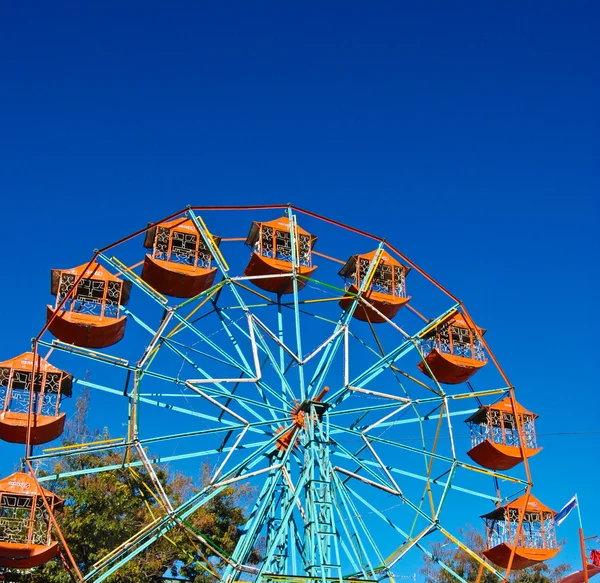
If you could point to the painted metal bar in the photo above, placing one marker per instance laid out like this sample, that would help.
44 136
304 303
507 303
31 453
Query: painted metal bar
469 552
383 467
260 383
139 283
240 468
255 207
337 224
121 442
406 536
354 515
193 413
389 487
291 504
155 459
330 352
139 232
432 454
149 536
207 380
436 481
278 368
215 392
255 524
161 404
366 480
293 243
201 353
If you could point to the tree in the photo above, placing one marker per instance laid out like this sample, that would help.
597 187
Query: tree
103 510
468 568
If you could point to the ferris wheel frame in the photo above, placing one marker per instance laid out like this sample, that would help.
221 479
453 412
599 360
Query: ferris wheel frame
319 431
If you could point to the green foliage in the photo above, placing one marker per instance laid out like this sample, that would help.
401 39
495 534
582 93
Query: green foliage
468 568
103 510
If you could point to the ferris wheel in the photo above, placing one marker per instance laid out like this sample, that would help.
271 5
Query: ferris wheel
309 360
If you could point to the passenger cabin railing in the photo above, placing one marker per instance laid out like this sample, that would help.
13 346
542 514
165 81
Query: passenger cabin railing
40 385
16 386
274 243
280 248
25 526
179 263
383 295
454 340
91 313
521 533
181 246
18 516
501 428
387 279
92 296
538 529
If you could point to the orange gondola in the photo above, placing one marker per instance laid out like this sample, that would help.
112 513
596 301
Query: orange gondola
453 351
386 292
271 264
536 540
495 435
90 317
580 576
25 528
180 262
51 385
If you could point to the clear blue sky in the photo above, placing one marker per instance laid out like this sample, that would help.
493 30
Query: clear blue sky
465 133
